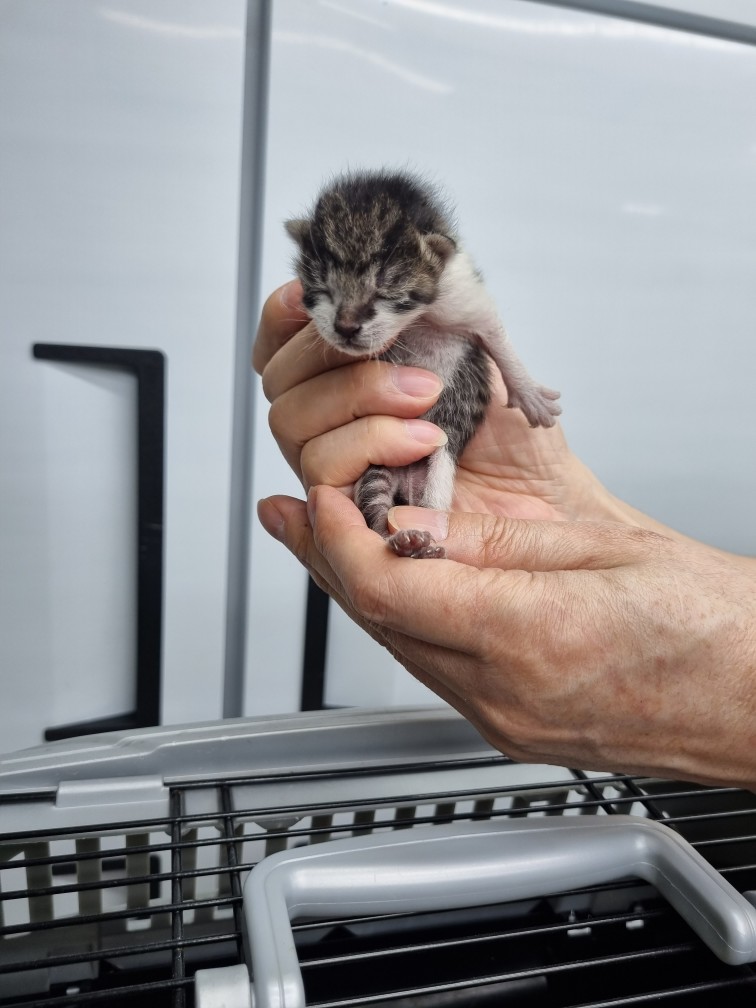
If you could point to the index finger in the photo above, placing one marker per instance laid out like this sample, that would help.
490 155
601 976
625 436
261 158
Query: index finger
282 316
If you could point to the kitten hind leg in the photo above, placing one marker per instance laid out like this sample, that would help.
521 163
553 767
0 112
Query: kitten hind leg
439 485
381 487
437 493
375 493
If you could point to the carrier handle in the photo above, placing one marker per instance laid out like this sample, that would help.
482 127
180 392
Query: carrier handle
474 864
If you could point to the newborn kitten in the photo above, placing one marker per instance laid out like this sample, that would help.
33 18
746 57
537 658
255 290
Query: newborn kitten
383 275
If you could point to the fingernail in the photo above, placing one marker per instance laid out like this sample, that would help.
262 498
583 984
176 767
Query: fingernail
422 519
271 518
416 382
291 295
426 433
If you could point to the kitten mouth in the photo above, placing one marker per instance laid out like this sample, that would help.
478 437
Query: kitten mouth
366 346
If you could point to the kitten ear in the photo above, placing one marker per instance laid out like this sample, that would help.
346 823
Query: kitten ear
298 229
440 245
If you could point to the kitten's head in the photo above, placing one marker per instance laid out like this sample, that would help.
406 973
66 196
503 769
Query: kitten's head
370 258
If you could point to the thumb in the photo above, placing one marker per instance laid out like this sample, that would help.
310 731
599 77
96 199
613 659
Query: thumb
484 540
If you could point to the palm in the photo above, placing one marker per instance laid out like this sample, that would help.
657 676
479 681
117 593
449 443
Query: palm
509 469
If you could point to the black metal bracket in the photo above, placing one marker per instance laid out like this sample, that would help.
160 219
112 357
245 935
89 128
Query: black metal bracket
148 366
315 642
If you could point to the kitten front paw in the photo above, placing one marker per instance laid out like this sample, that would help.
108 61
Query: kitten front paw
415 544
538 404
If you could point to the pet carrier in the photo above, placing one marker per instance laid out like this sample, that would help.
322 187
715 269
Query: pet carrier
402 862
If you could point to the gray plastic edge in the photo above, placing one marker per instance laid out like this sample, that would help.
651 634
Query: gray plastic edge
479 864
725 20
258 745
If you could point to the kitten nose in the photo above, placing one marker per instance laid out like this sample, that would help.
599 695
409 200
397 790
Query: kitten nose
347 328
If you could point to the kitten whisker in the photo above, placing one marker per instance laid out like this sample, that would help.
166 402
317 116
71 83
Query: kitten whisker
405 352
313 341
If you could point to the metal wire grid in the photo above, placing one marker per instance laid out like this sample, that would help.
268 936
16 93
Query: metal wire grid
127 913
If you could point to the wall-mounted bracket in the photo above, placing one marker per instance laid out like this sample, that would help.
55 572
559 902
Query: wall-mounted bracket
148 366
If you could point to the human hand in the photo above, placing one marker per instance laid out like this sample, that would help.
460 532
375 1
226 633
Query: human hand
332 417
592 645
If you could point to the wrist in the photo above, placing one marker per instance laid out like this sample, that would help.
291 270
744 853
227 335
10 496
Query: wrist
591 501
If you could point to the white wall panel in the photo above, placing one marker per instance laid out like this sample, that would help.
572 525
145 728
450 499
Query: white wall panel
120 140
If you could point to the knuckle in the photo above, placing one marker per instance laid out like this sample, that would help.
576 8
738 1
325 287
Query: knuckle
310 464
369 388
266 382
321 464
499 541
357 379
373 427
653 542
279 417
379 434
276 416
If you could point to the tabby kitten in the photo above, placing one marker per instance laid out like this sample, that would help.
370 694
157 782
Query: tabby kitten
383 275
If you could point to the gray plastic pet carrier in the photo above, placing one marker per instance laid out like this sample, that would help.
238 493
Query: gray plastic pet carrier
363 858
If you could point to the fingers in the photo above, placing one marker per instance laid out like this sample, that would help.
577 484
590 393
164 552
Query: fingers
317 392
317 416
344 536
488 541
286 519
339 457
355 390
298 358
437 602
446 603
493 643
282 316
